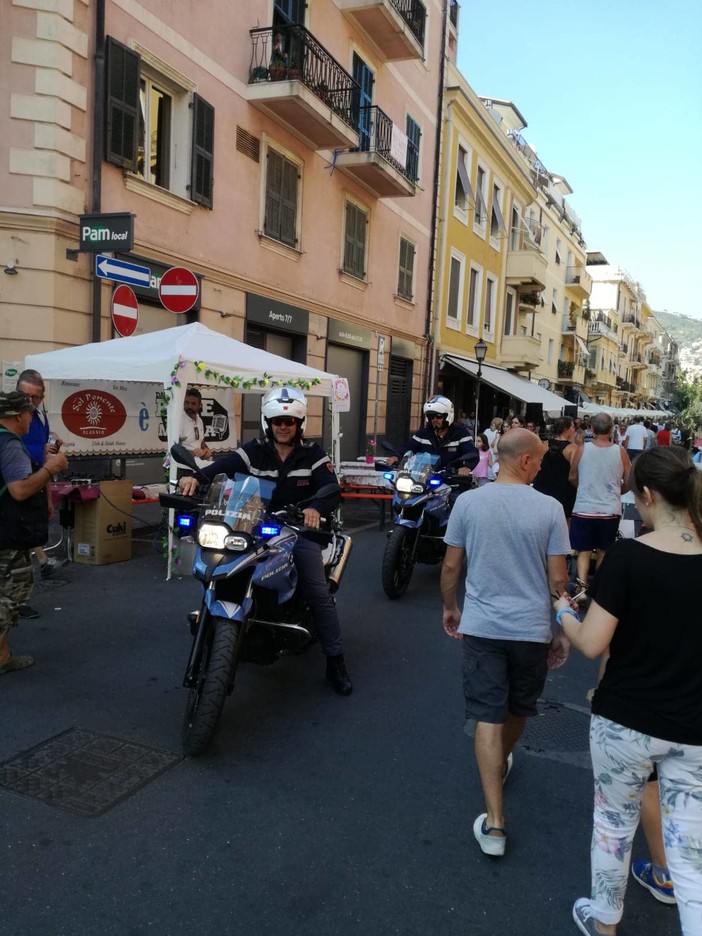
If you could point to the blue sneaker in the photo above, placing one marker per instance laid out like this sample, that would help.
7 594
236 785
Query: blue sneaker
663 891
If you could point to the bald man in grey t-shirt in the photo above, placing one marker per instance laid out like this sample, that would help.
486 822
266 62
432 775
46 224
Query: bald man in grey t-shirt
515 541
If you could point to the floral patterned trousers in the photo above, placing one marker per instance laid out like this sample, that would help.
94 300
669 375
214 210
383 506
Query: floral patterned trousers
622 760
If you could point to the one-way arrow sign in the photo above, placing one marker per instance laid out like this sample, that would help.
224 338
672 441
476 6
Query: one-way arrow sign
121 272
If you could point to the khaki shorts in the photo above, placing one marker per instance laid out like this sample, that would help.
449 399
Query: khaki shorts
16 580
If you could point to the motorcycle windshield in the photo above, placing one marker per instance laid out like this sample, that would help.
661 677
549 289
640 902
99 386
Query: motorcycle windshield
242 502
420 465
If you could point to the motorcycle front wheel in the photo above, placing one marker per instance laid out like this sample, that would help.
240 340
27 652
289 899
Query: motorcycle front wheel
398 563
214 679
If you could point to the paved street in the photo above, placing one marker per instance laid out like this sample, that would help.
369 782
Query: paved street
311 814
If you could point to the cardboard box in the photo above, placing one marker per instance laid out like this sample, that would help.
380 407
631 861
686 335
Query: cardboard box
103 527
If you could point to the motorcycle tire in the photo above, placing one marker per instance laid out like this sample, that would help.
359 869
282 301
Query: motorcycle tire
398 564
214 681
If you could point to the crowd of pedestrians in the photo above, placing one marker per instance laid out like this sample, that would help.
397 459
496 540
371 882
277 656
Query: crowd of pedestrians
646 726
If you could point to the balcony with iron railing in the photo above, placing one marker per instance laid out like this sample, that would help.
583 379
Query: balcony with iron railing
578 281
453 13
632 321
572 371
603 325
296 82
397 27
387 161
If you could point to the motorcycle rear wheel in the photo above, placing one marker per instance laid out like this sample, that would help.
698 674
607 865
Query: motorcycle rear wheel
398 564
215 677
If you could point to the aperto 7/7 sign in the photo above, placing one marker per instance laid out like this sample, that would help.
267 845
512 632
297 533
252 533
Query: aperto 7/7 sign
114 231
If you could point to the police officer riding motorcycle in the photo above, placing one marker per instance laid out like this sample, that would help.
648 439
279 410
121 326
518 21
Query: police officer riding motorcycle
299 469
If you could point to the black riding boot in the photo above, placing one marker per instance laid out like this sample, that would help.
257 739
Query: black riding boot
338 676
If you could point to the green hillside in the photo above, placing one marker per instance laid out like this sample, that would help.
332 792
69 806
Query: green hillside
686 331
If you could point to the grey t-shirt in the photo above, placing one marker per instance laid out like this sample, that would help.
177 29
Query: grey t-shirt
508 531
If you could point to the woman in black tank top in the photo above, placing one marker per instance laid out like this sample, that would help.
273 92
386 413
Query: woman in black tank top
553 477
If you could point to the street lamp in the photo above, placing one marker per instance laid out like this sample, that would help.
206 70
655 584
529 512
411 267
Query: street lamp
480 352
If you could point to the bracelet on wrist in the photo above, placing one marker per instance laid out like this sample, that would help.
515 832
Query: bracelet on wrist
559 615
48 470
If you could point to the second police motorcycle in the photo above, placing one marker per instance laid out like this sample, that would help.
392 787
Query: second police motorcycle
425 482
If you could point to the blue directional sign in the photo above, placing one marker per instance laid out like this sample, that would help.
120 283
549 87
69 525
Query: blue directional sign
121 272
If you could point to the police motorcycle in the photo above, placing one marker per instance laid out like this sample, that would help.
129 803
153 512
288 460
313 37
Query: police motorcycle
251 611
422 501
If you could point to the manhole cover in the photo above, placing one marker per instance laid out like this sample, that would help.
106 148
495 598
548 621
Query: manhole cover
84 771
560 732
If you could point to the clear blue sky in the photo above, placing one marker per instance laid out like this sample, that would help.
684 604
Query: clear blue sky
612 94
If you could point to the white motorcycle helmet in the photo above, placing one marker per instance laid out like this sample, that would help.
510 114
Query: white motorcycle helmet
441 405
283 401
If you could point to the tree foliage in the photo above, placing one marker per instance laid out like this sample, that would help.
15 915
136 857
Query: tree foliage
688 400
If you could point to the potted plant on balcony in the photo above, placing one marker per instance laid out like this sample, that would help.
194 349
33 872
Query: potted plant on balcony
278 65
586 312
590 374
565 368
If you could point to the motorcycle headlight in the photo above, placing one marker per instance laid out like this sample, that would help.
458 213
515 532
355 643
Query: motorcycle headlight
417 489
213 536
404 485
236 542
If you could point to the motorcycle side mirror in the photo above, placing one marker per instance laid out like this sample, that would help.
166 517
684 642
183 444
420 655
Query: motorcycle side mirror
327 491
180 454
390 449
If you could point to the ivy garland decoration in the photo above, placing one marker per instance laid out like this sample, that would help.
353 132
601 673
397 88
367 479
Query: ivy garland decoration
234 383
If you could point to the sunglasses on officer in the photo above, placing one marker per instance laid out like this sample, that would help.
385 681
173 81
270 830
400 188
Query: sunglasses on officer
432 415
283 421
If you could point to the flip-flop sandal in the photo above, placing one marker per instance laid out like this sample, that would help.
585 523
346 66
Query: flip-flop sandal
16 663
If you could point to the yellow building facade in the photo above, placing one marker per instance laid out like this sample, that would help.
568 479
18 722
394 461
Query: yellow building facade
484 192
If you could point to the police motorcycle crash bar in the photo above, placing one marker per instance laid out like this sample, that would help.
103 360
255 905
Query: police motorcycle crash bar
267 561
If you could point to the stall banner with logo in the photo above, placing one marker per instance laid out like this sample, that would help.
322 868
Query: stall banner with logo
341 401
107 417
10 372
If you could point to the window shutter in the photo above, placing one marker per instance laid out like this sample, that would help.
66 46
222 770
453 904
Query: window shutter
202 152
355 241
288 204
414 135
122 105
274 186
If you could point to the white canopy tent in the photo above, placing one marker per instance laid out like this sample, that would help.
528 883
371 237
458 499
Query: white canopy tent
176 357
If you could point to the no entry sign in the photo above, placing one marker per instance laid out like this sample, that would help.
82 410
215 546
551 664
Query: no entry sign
125 311
178 290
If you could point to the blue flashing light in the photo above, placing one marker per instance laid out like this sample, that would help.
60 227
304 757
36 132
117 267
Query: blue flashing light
270 530
435 482
389 475
185 522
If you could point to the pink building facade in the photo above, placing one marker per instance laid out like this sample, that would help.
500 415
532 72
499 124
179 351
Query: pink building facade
283 151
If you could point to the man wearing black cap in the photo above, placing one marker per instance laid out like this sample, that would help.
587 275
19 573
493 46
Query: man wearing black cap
24 515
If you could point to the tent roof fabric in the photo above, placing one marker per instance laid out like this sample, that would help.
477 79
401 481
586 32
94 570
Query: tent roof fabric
511 384
150 358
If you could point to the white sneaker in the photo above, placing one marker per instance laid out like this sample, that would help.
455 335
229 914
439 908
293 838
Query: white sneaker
47 569
489 844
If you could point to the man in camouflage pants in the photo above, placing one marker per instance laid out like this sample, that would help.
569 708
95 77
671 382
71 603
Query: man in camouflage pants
24 516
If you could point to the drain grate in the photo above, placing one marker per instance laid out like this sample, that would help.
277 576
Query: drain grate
560 732
83 771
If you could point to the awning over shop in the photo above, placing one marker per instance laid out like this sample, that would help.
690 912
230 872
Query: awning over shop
511 384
